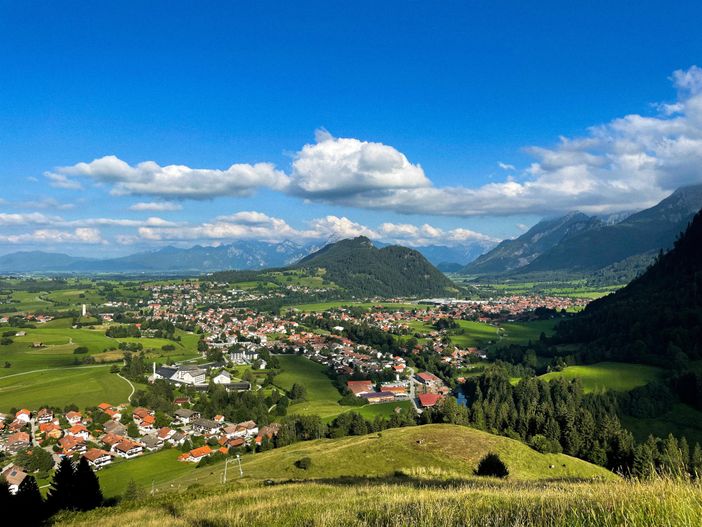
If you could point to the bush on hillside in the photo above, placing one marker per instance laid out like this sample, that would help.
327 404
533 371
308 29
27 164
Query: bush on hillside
492 465
304 463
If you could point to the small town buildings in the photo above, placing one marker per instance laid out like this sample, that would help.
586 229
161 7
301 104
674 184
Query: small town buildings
195 455
73 417
23 415
45 416
17 441
360 387
14 476
428 400
98 458
128 449
378 397
205 426
185 416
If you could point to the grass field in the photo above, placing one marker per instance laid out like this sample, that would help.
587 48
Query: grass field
415 501
614 376
322 396
84 386
482 334
162 469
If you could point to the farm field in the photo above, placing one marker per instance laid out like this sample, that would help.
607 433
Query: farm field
84 386
614 376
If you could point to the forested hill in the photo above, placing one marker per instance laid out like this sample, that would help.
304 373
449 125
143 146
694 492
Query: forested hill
364 270
657 318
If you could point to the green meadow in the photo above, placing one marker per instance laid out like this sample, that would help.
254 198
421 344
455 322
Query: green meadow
613 376
84 386
477 334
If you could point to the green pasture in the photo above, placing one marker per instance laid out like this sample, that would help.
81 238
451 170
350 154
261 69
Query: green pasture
615 376
84 386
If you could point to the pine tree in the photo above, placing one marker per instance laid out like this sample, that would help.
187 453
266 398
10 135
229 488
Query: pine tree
87 487
28 500
685 454
132 492
61 494
672 457
644 464
696 462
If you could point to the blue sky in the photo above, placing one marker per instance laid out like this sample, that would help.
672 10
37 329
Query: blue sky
594 108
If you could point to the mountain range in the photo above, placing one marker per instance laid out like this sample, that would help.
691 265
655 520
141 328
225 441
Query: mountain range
242 255
585 244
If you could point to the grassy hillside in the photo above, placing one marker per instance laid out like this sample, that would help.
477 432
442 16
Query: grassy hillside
415 501
449 450
446 448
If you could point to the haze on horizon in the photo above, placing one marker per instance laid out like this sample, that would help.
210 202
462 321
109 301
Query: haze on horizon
173 125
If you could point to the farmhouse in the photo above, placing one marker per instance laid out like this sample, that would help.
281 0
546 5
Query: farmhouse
45 416
72 445
73 417
23 415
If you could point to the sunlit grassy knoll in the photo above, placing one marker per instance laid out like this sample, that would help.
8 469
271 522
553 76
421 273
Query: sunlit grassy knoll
416 501
616 376
440 449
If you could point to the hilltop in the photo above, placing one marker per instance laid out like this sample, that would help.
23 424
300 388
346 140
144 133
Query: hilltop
409 476
360 268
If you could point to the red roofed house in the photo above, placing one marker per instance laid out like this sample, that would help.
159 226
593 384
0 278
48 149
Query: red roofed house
427 400
196 454
78 431
71 445
74 417
359 387
18 441
23 415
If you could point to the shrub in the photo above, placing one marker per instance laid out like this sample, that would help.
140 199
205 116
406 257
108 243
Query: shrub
80 349
492 465
6 341
304 463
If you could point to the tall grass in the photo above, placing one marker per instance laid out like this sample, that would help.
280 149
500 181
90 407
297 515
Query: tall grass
406 501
